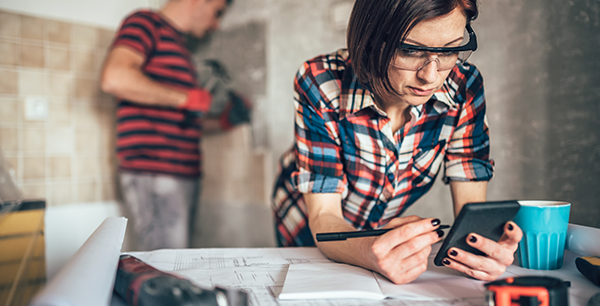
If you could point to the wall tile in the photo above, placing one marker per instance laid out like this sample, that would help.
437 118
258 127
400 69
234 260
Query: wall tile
31 83
86 141
84 60
34 140
60 194
98 60
10 53
9 139
87 166
105 38
9 24
34 191
32 28
9 108
13 165
59 140
87 192
57 31
83 35
8 82
34 167
86 88
60 166
59 112
86 115
108 189
59 84
32 56
58 59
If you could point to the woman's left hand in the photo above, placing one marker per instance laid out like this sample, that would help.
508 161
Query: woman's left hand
499 255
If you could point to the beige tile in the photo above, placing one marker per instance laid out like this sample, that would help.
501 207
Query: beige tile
84 35
8 82
34 191
32 56
60 194
59 84
9 111
98 60
86 115
34 140
13 165
9 139
84 60
86 88
59 140
108 190
34 167
87 192
87 166
58 59
31 83
36 125
105 37
59 112
9 24
32 28
9 51
60 166
86 141
57 31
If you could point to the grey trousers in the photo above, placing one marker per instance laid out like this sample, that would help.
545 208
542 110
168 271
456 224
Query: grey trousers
161 209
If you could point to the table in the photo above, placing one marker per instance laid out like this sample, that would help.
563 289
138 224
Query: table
261 272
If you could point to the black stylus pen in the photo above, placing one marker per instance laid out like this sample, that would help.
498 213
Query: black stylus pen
368 233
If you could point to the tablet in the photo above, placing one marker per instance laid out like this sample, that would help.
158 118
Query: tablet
485 218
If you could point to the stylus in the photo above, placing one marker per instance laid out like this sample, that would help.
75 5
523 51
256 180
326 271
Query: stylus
368 233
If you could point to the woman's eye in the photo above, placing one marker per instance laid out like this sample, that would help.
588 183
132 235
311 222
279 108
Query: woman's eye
411 53
447 54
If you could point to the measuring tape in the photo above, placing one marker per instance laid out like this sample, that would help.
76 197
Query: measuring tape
527 291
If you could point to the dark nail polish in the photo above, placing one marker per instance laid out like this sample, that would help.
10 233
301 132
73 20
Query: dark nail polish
453 253
510 227
440 233
435 222
446 261
473 239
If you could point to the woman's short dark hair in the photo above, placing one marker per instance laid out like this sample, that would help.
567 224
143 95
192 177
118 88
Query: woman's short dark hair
377 26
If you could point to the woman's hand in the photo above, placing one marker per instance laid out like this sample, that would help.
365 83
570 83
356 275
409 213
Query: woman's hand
401 254
498 256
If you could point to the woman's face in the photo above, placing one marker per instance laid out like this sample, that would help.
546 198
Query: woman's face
416 87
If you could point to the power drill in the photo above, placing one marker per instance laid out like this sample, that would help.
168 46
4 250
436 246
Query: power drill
140 284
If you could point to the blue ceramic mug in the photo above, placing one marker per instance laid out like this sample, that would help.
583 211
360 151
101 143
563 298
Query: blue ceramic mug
544 225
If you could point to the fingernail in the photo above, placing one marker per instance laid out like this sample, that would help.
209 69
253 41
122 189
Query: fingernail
446 261
473 239
435 222
440 233
510 227
453 253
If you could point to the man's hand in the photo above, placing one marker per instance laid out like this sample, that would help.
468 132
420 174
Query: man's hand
401 254
499 255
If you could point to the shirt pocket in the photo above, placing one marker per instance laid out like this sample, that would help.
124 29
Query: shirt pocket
426 163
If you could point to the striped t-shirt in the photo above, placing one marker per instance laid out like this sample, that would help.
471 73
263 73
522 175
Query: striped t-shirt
152 139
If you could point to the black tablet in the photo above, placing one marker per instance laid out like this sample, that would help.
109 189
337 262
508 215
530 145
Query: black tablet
486 219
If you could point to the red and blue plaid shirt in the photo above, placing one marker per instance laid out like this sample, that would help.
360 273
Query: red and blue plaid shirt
345 144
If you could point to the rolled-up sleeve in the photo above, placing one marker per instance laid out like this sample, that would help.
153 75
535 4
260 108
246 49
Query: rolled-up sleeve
317 148
468 154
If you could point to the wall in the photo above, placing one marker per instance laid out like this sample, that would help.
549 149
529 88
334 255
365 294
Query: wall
69 157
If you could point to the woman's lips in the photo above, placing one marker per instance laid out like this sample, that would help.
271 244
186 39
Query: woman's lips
420 91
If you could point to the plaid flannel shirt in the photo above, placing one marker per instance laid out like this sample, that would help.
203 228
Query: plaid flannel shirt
345 144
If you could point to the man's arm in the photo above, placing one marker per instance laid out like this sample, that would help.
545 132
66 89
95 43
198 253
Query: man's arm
122 77
466 192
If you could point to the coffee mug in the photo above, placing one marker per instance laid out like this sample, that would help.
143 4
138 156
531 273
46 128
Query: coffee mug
544 225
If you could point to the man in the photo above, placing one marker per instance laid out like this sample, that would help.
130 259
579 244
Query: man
160 117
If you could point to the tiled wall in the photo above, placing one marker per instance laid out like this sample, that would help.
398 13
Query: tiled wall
69 157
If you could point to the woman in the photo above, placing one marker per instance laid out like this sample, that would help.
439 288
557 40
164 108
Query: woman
373 125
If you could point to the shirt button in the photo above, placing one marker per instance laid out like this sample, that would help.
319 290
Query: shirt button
390 177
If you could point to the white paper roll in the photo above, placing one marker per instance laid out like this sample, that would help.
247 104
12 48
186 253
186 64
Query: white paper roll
583 240
88 277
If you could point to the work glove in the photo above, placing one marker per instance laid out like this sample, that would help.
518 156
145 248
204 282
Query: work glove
237 111
198 101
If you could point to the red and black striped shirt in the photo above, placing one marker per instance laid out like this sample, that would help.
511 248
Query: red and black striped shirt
154 139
